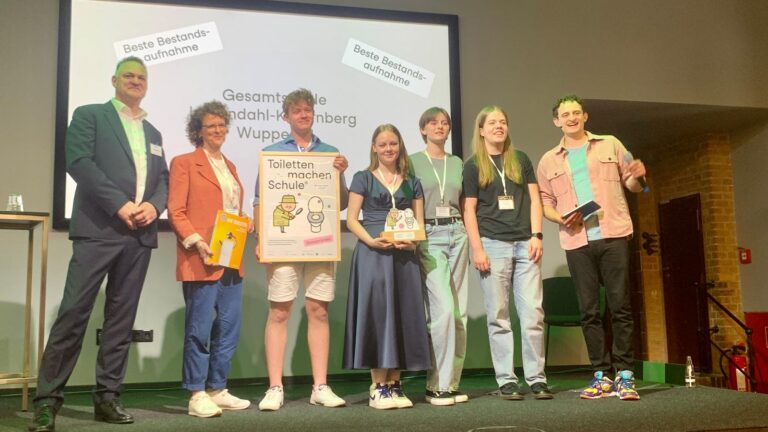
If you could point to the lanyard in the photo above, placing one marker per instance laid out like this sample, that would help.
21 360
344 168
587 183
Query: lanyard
440 184
390 187
305 149
501 173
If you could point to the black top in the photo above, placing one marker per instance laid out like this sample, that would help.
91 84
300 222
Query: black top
506 225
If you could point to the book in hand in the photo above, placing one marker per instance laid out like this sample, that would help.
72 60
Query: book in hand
228 239
585 209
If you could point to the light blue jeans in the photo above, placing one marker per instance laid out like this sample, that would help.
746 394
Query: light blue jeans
510 266
444 257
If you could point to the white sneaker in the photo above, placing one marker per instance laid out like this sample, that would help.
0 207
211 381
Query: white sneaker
401 400
380 397
273 399
323 395
201 405
459 397
228 401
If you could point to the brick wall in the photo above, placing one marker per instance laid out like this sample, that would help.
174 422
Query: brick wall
695 165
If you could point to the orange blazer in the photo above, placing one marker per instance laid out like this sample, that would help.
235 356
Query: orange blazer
194 197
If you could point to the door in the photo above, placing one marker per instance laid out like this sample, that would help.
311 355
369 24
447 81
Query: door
683 271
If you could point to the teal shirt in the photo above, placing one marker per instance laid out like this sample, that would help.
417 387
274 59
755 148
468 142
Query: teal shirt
577 161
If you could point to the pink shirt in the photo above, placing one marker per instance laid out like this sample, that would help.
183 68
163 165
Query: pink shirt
607 161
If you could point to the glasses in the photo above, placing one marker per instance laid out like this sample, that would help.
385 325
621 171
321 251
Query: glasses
221 126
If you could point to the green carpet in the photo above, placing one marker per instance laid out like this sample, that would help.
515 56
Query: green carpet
662 407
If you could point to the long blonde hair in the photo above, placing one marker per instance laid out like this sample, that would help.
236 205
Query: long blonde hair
486 171
402 155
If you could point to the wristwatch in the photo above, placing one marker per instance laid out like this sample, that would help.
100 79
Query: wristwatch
538 235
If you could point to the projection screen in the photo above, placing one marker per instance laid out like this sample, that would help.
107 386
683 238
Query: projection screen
366 67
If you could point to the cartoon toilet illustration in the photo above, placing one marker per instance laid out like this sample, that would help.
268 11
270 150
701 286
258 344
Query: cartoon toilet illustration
409 218
315 216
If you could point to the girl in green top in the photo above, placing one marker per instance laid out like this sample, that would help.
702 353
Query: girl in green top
443 257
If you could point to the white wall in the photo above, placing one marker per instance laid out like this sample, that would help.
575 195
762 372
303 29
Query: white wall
750 159
519 54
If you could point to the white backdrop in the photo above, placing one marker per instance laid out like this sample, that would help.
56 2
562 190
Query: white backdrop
363 72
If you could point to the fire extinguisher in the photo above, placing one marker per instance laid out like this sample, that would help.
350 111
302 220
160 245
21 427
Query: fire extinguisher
737 380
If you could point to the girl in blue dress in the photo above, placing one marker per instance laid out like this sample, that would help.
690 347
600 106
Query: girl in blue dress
386 328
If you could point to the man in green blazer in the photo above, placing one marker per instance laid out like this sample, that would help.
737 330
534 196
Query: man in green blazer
117 159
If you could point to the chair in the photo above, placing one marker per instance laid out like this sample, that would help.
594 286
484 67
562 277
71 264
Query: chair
561 306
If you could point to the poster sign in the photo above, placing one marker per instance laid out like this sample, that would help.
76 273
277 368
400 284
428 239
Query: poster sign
228 239
298 207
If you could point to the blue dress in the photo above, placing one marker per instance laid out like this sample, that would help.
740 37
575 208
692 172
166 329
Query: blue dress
386 324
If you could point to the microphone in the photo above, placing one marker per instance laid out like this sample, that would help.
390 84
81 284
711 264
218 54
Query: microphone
628 158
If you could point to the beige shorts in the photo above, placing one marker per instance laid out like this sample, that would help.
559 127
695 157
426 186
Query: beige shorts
318 279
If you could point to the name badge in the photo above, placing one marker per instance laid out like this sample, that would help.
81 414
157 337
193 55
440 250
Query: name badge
506 202
155 149
442 211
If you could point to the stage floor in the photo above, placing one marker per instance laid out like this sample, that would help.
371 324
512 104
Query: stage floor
662 407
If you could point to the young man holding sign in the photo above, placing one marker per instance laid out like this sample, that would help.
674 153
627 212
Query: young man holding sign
284 278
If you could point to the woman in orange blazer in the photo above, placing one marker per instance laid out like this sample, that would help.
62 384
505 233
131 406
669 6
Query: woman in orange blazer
201 183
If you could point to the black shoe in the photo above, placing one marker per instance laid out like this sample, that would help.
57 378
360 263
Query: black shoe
439 398
510 391
44 419
541 391
111 411
459 397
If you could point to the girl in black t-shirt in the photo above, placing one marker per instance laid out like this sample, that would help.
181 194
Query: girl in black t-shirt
503 216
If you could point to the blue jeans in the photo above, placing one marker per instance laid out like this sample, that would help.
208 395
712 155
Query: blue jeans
211 330
444 258
510 266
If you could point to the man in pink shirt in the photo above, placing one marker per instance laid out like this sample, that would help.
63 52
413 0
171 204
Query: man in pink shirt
585 167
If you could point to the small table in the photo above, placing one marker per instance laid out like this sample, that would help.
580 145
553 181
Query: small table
28 221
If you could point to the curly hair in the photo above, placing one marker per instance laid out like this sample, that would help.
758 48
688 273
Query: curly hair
564 99
296 96
195 119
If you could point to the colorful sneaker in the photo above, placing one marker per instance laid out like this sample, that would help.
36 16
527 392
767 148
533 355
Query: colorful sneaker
625 383
227 401
324 396
201 405
440 398
459 397
396 390
600 387
273 399
380 398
